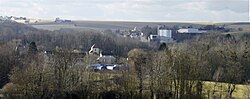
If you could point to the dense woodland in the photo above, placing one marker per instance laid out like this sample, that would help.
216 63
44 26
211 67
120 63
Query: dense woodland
173 71
67 39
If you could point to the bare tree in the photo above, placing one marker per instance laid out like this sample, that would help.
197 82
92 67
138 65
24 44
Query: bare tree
138 60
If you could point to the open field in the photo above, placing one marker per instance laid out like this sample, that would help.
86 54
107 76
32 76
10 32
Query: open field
103 25
245 29
81 25
219 89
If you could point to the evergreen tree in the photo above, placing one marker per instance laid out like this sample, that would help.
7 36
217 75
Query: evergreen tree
162 47
32 48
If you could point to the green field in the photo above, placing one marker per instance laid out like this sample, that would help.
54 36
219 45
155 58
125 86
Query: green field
241 91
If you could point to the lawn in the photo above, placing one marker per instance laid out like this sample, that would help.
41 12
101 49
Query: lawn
219 89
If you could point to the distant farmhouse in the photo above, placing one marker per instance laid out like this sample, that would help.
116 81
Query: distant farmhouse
94 50
58 20
104 59
19 19
136 34
108 59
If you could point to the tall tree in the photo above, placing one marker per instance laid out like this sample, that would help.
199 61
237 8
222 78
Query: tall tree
32 48
138 57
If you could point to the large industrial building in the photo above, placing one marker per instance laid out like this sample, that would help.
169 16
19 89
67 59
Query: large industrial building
190 30
165 33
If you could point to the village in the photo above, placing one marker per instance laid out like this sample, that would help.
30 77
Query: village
103 60
124 49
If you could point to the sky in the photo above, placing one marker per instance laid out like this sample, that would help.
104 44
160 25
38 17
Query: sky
130 10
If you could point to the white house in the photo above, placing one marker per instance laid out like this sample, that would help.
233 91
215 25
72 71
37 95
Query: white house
153 37
108 59
134 35
94 50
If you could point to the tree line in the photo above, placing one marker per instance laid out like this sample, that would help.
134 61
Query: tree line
178 71
67 39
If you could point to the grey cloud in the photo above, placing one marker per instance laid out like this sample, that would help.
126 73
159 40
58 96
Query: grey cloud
238 6
134 10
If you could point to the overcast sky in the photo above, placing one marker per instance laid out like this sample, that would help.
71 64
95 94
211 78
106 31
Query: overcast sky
129 10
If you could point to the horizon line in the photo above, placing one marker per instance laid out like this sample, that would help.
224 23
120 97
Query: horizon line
121 20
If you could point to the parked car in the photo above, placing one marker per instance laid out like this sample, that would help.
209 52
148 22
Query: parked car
98 67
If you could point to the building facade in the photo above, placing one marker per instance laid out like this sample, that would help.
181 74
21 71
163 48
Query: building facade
165 33
190 30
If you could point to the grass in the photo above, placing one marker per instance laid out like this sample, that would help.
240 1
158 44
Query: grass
237 34
241 91
209 87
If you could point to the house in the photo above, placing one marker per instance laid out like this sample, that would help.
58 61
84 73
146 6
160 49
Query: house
94 50
18 19
135 34
134 30
58 20
153 37
107 59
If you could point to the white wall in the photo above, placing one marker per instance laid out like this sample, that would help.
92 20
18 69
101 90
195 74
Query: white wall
190 30
153 37
165 33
